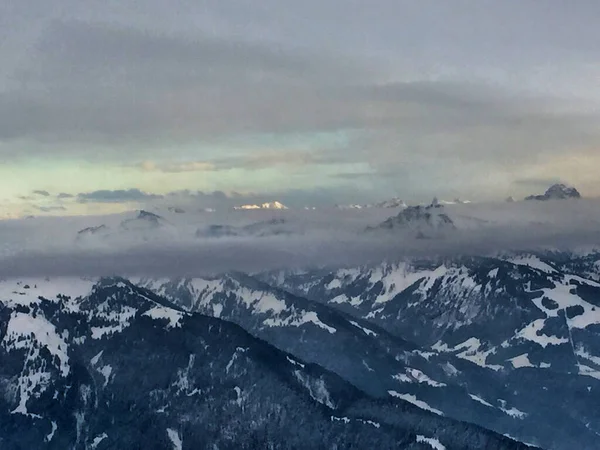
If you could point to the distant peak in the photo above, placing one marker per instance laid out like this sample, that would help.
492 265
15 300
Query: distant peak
558 191
421 219
267 205
143 214
93 230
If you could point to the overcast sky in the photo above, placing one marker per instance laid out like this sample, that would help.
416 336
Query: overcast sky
105 105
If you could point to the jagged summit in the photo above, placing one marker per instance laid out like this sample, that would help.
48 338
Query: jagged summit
558 191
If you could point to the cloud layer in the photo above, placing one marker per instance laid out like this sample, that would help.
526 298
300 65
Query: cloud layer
128 246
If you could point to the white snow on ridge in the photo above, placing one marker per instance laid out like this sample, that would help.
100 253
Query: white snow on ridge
162 312
296 363
299 319
100 332
470 352
532 261
432 442
25 291
514 412
480 400
415 401
530 333
24 330
34 334
395 280
416 376
365 330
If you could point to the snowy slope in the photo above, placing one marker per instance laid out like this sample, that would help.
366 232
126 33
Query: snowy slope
201 383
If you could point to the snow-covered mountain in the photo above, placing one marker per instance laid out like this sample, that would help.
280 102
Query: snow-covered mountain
109 365
527 326
557 191
268 205
371 358
507 340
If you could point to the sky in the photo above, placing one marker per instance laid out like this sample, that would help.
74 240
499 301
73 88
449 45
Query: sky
108 105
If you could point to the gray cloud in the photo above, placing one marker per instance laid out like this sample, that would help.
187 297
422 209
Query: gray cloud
537 183
105 83
42 193
296 198
64 195
486 91
329 251
116 196
51 208
330 238
253 161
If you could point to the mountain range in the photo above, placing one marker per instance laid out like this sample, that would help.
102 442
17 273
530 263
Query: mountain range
115 366
466 349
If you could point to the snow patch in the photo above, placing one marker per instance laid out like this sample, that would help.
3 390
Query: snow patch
470 352
316 387
24 331
106 371
296 363
296 321
534 262
530 333
96 358
432 442
415 401
480 400
514 412
416 376
521 361
50 435
365 330
161 312
175 439
98 439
